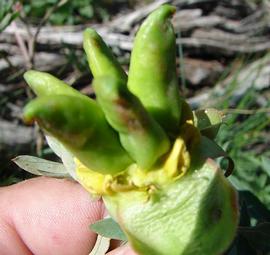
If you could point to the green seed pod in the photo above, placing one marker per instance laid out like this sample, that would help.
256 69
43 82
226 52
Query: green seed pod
196 214
139 133
152 73
100 58
45 84
81 126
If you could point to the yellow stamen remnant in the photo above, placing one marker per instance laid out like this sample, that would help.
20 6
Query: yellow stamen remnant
175 166
94 182
178 161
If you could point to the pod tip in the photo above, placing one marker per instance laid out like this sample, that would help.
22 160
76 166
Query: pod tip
29 114
29 75
90 33
166 11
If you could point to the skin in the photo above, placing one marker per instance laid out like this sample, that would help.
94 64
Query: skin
49 216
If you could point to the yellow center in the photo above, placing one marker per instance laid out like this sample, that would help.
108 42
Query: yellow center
174 165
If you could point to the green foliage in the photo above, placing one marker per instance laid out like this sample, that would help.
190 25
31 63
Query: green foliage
72 12
245 139
108 228
7 13
253 231
39 166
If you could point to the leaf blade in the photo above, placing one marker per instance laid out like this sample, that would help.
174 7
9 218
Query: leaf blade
38 166
108 228
101 246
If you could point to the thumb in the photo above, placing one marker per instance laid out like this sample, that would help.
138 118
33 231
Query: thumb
48 216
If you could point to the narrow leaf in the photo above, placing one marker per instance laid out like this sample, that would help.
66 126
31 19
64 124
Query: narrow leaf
7 20
64 154
40 166
101 246
209 149
255 207
54 145
265 163
108 228
208 121
258 236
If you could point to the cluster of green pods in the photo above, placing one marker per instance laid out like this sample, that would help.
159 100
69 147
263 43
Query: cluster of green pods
134 118
140 145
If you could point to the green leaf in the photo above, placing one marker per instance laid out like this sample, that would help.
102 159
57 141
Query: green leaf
55 145
238 184
265 164
5 7
255 207
108 228
210 149
40 166
87 11
258 237
245 220
102 245
64 154
7 20
208 121
232 251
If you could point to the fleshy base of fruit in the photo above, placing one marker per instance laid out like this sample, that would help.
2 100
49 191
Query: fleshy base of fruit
170 210
197 214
